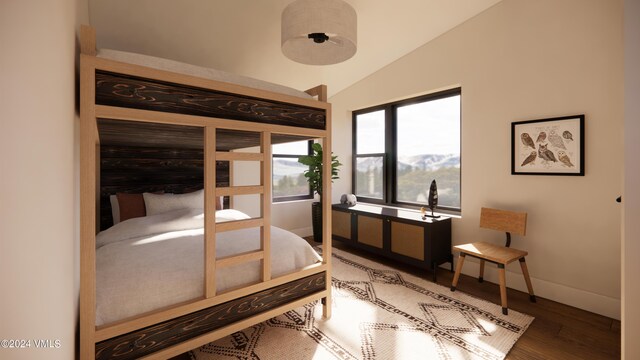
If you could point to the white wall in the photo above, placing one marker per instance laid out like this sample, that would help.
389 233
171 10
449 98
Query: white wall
523 60
244 173
631 197
38 189
294 216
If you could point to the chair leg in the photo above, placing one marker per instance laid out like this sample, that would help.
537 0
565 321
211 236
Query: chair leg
481 277
525 272
503 289
456 276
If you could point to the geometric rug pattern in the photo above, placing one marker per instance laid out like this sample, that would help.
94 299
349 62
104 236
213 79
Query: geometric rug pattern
378 313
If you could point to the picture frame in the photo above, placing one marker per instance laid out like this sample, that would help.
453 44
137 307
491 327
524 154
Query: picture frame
553 146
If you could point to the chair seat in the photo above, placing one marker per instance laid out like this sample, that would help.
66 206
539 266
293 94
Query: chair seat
494 253
502 220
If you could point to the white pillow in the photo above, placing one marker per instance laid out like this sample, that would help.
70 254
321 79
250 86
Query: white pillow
115 209
230 215
160 203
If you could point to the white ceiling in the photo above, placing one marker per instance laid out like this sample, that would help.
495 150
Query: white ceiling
243 36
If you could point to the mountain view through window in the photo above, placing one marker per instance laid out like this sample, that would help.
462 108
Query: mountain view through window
428 147
289 182
420 140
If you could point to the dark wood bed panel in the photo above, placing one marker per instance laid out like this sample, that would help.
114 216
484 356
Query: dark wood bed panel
139 93
147 340
157 135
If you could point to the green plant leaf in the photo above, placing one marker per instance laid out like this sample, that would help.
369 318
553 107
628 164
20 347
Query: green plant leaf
314 162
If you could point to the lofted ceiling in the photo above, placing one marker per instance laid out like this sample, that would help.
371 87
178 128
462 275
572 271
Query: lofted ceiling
243 36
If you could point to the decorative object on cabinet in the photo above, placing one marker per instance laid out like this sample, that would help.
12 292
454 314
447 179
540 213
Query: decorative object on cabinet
501 220
314 176
557 150
398 234
433 199
348 199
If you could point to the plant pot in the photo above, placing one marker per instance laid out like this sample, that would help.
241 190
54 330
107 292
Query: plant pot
316 221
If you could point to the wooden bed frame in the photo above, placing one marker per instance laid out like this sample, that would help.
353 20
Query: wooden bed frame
173 330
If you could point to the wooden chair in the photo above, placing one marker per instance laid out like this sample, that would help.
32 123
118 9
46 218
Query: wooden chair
501 220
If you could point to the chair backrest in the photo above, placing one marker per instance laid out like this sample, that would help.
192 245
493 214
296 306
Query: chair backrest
504 220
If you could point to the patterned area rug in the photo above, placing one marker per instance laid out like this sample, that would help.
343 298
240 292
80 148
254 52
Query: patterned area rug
379 313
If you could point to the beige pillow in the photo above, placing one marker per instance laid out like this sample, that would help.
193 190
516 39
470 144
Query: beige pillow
157 204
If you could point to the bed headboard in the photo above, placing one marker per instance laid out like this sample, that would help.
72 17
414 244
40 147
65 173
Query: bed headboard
136 170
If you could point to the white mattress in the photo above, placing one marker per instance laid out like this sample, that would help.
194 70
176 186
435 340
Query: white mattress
197 71
147 263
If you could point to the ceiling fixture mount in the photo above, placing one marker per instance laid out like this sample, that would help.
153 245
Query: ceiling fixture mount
319 32
318 38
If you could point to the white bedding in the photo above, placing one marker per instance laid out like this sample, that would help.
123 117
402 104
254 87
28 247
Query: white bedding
197 71
150 262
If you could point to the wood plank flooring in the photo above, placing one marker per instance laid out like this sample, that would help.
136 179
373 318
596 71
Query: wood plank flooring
558 332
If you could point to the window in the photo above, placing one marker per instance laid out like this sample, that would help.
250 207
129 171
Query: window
289 182
370 154
400 147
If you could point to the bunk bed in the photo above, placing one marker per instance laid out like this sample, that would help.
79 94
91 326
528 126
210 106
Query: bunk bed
136 104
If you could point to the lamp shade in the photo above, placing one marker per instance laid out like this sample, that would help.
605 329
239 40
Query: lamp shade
319 32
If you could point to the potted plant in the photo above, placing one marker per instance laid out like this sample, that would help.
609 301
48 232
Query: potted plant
314 176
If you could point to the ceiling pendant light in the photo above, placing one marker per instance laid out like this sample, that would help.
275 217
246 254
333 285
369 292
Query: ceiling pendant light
319 32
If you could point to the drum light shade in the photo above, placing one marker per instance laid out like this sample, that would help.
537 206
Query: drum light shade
319 32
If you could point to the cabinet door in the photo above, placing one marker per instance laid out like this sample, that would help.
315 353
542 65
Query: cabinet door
407 240
341 224
370 231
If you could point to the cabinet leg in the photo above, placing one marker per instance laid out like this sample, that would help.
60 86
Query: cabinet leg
434 266
456 276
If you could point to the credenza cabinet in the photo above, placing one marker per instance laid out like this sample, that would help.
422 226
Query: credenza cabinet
401 235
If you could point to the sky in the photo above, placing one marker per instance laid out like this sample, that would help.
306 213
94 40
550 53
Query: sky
431 127
291 148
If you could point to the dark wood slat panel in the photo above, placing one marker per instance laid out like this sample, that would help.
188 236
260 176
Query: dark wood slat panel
119 152
139 93
153 338
135 133
126 180
122 133
137 165
235 139
168 188
129 169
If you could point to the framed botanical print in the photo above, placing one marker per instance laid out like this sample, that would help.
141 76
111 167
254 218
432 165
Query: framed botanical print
553 146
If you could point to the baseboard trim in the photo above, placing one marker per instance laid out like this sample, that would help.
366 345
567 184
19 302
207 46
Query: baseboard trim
581 299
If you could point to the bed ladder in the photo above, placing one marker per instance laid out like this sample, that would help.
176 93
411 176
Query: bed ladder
212 192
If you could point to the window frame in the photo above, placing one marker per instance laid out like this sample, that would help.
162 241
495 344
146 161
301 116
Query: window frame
384 156
279 199
390 157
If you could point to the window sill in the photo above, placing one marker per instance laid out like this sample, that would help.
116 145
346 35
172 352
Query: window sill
449 213
292 201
